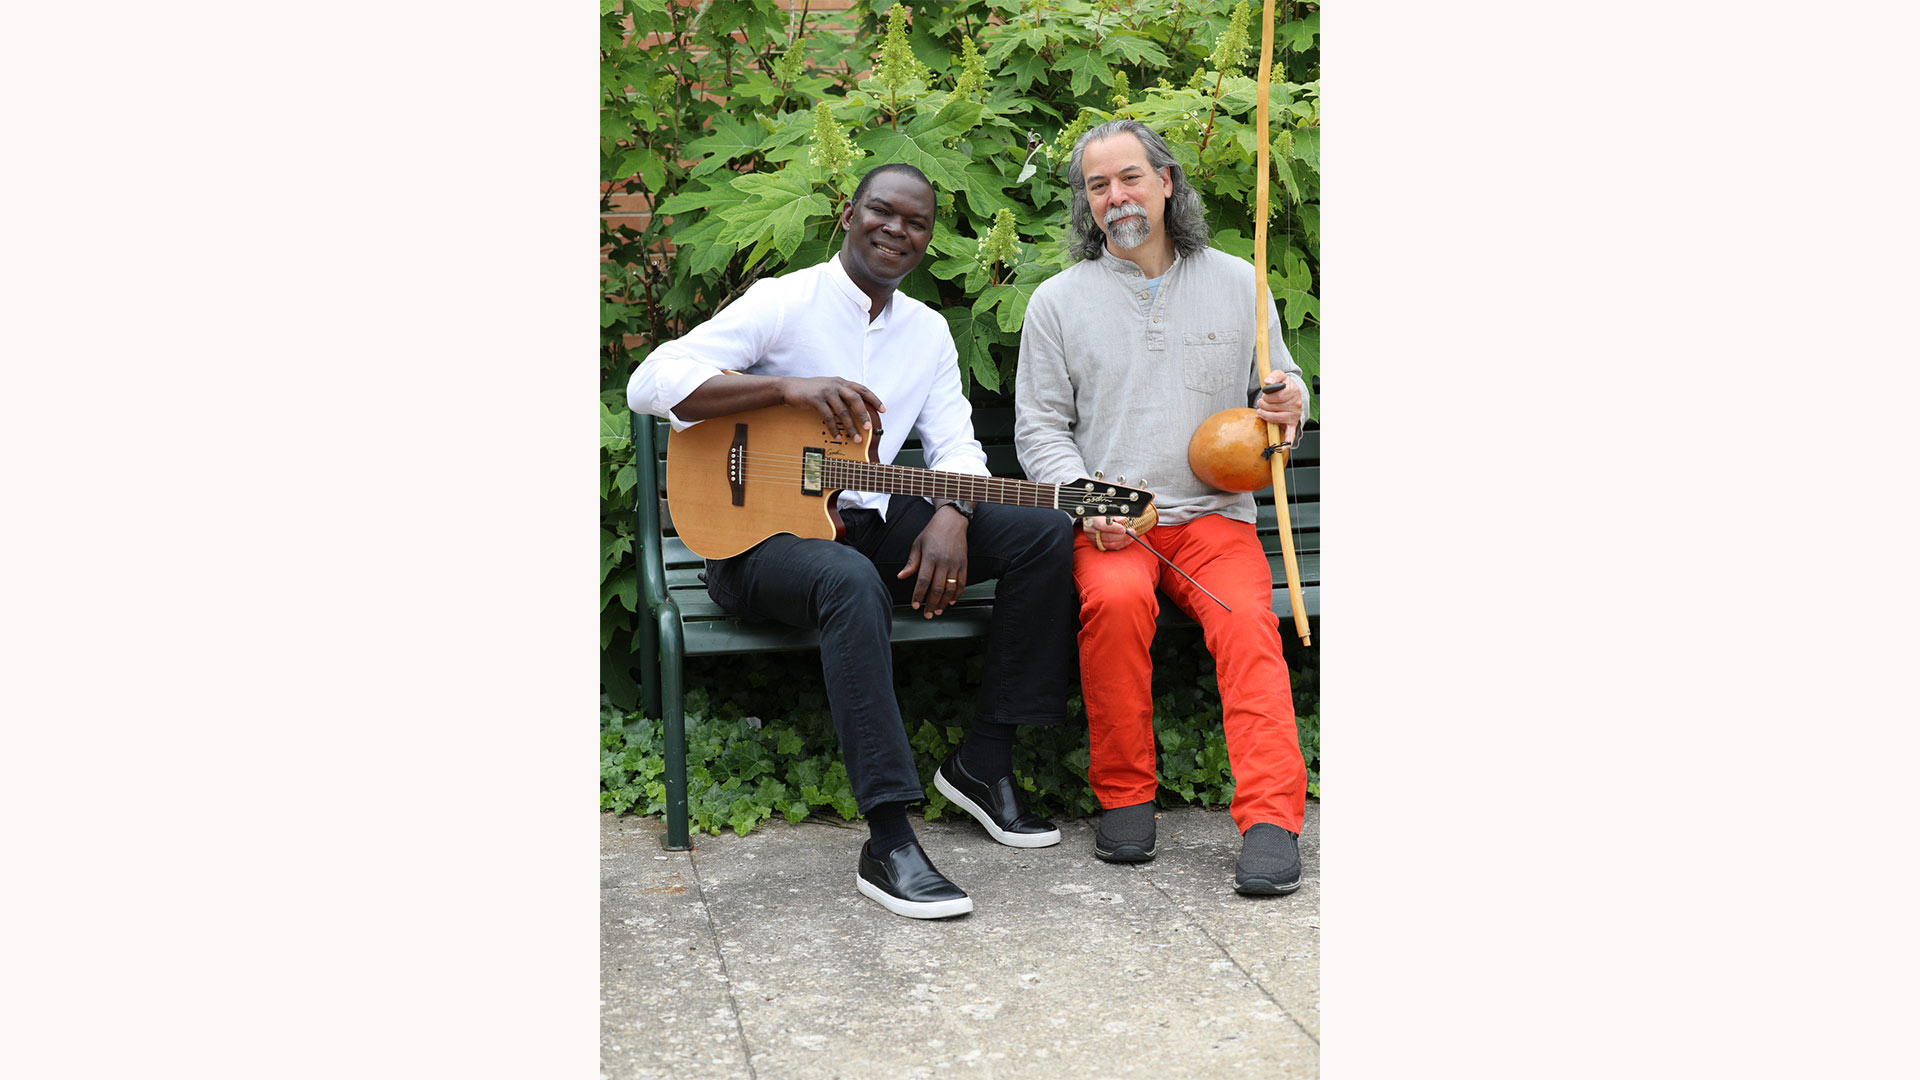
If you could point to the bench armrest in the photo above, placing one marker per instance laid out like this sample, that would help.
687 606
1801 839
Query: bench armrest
646 525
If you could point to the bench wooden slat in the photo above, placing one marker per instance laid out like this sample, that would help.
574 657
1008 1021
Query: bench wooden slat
1306 558
710 630
721 635
1305 518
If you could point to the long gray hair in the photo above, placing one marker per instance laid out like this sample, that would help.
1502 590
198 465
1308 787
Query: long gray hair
1186 218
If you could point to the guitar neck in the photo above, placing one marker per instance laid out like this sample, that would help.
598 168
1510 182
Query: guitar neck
905 480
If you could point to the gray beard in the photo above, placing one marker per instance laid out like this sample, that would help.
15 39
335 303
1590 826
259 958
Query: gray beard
1128 231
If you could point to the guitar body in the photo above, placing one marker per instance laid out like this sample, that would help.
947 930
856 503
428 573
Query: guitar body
733 481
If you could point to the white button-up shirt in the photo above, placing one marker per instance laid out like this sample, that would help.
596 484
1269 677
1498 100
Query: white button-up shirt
814 322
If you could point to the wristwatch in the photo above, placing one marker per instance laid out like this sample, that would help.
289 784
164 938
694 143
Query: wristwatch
965 508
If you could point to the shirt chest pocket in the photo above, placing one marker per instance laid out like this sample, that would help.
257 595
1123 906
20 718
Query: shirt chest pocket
1212 360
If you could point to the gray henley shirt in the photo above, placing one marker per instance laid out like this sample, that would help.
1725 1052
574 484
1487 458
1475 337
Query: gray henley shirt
1116 377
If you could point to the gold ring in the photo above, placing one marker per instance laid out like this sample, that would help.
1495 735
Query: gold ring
953 581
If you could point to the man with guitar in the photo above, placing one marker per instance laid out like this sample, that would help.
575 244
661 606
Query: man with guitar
838 340
1122 356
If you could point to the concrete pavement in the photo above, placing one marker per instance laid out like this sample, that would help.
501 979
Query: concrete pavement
754 958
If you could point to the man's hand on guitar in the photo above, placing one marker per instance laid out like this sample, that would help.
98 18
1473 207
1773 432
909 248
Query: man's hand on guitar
848 408
940 558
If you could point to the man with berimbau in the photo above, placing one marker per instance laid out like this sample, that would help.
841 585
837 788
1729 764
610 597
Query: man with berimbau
1123 355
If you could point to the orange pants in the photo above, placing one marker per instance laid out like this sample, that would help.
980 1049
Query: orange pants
1117 610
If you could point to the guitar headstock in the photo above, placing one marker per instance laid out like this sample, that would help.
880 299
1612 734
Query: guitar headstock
1086 498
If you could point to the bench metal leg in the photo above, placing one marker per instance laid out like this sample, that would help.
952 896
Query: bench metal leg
646 648
658 638
672 694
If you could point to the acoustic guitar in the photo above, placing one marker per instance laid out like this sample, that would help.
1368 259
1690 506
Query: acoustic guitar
733 481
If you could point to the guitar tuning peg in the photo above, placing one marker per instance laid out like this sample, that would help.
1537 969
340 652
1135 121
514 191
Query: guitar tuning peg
1141 483
1119 479
1098 475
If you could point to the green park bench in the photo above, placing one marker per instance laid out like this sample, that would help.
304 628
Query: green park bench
679 620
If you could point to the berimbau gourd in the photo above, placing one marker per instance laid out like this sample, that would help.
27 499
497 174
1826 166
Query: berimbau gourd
1233 449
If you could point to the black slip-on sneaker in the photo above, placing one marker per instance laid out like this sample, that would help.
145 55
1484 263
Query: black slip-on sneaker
906 883
995 806
1126 834
1269 861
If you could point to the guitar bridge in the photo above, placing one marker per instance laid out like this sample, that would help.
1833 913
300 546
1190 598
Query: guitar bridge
812 468
737 465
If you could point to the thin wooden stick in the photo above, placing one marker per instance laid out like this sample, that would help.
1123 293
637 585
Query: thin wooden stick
1262 348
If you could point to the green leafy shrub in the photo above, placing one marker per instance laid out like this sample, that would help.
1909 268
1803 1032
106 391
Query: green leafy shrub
744 127
760 739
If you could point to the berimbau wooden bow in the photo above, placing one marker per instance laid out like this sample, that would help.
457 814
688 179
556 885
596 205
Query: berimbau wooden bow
1261 346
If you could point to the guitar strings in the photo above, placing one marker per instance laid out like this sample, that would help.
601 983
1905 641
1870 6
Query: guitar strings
1007 492
780 468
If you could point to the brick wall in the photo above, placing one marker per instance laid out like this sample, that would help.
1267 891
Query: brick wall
635 209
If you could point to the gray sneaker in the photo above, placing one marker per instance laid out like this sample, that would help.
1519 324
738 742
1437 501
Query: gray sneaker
1125 834
1269 862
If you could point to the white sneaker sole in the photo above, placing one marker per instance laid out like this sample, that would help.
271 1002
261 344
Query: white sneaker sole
979 814
912 909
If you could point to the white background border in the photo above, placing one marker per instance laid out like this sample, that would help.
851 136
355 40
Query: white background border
302 565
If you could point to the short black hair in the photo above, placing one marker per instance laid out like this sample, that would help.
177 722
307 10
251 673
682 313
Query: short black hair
896 166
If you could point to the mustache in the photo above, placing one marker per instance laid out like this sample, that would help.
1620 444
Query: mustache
1129 210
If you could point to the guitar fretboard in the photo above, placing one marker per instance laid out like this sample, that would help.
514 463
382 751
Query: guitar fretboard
901 480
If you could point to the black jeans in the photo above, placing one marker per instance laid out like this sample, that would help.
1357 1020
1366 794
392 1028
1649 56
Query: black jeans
847 591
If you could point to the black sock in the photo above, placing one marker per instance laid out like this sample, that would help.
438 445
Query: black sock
988 752
888 825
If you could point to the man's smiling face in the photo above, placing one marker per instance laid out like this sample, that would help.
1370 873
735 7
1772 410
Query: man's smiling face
887 230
